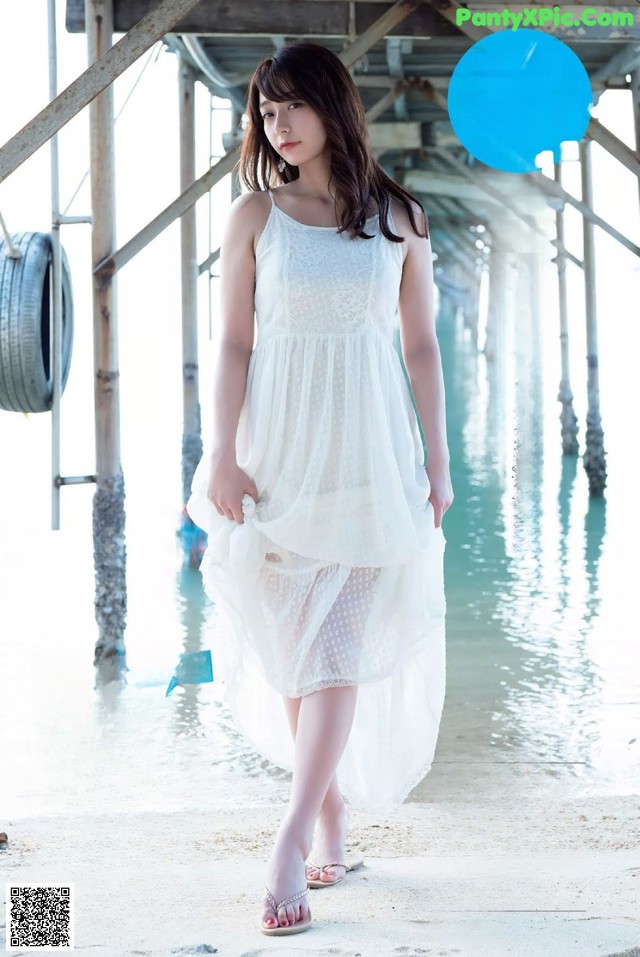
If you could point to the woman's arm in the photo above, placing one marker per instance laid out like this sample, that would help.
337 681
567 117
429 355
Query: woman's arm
236 332
421 354
420 349
427 384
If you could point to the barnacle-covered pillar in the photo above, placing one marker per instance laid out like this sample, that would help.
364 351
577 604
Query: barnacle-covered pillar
568 418
108 503
595 455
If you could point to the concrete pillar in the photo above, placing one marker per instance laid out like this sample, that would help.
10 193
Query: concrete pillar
594 456
108 503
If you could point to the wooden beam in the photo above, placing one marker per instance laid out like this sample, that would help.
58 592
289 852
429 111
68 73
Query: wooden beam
447 184
498 195
395 136
610 142
443 184
389 98
425 87
383 139
378 28
207 263
622 62
117 260
96 78
304 18
449 9
552 188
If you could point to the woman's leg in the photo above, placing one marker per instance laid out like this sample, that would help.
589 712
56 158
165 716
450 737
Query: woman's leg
323 725
333 820
333 803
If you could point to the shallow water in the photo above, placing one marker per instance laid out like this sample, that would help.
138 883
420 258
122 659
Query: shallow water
543 672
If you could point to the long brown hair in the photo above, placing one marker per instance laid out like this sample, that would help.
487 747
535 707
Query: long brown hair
309 71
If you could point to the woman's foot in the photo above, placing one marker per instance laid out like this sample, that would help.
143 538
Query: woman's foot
328 844
286 877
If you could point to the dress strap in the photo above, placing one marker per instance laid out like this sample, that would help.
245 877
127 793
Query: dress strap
273 202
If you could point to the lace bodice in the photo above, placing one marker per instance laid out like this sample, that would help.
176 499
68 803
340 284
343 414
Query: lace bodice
293 261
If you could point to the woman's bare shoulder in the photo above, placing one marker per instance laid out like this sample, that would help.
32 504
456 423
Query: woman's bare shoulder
401 216
249 205
403 223
248 215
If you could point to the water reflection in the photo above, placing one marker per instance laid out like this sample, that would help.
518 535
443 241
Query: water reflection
191 607
543 677
534 669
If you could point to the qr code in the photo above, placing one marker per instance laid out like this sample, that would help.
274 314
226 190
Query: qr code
39 917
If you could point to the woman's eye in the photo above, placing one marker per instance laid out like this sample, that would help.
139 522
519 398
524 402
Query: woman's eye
265 115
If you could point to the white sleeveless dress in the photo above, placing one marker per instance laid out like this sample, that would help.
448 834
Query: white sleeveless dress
336 575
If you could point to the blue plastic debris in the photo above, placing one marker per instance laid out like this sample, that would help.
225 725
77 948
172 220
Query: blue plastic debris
193 539
194 668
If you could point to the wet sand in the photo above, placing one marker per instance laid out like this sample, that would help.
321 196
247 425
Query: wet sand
537 876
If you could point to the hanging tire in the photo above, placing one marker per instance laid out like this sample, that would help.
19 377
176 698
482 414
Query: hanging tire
26 374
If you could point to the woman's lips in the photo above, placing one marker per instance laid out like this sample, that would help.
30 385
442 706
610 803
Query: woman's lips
288 146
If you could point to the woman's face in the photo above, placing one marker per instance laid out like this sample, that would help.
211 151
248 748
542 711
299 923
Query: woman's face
293 121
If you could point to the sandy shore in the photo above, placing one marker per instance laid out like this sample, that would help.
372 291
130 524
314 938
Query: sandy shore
536 877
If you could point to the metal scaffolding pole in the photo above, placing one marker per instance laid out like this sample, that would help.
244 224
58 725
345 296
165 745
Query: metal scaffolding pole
635 105
108 502
116 260
568 418
191 426
236 185
55 338
594 456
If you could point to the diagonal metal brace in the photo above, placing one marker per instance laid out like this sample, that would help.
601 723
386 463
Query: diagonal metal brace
92 82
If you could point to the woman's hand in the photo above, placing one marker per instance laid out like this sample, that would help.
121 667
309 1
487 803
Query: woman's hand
227 485
441 495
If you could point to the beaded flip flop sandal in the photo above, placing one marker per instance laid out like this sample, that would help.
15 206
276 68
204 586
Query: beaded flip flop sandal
318 882
296 928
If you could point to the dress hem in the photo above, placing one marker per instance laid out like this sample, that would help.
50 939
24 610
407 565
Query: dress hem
412 652
351 795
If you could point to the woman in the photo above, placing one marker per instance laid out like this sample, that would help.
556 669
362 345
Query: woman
325 549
